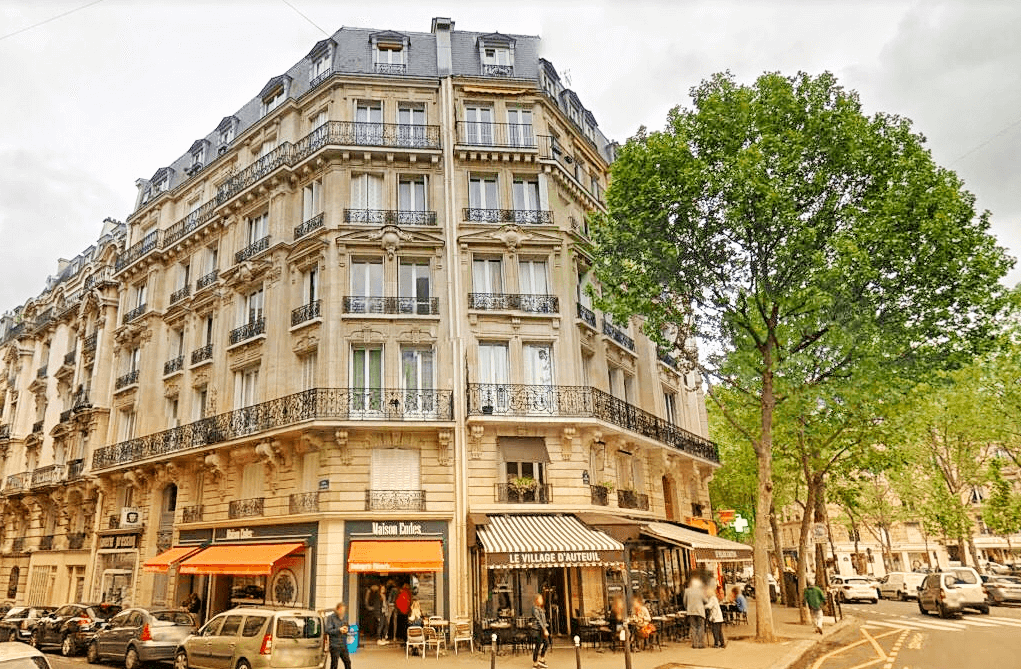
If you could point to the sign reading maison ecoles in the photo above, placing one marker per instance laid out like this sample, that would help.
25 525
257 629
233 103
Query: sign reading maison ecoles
524 560
239 534
118 541
399 529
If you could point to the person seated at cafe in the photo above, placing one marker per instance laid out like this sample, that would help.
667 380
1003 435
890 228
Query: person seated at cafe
738 600
415 618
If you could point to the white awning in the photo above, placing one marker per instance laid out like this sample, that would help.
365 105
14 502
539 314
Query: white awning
706 546
526 542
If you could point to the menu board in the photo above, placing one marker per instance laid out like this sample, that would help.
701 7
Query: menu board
427 593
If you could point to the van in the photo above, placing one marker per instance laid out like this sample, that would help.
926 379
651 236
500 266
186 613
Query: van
952 591
256 638
901 585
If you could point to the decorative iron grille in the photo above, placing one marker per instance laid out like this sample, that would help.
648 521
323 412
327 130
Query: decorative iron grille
389 217
308 226
201 354
306 312
126 380
617 335
422 306
134 313
491 70
252 249
179 294
395 500
503 135
586 315
521 216
89 343
76 541
629 499
191 514
391 68
173 365
248 330
75 468
207 280
536 304
303 502
246 508
508 493
600 495
136 251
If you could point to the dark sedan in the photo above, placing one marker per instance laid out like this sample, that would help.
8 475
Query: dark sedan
19 622
72 626
138 636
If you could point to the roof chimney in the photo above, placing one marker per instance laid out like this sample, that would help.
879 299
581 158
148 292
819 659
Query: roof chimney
442 27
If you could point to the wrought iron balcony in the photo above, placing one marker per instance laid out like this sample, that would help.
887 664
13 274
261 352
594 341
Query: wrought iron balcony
37 427
617 335
333 404
100 276
303 502
81 400
502 135
536 304
89 343
391 68
255 172
49 475
389 217
17 482
250 329
492 70
173 365
583 402
18 545
43 319
539 493
252 249
164 540
201 354
520 216
551 149
320 79
306 312
191 514
181 293
125 380
629 499
46 542
134 313
76 541
600 495
349 133
41 372
75 468
70 356
5 432
246 508
148 243
207 280
308 226
421 306
667 359
395 500
190 223
65 415
586 315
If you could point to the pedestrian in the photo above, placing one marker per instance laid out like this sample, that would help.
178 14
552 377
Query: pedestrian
694 606
814 598
541 633
641 620
374 606
391 607
715 615
336 631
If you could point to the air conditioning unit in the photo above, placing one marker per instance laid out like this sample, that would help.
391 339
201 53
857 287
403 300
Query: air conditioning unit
130 517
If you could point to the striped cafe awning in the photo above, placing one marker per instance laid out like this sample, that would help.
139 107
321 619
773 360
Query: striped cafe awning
705 546
526 542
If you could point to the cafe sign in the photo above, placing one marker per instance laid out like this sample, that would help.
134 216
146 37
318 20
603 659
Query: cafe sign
118 541
540 559
398 529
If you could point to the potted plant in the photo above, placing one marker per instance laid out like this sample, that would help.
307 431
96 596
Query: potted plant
606 485
487 407
522 485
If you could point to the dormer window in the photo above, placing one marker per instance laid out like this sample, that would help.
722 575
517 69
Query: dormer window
225 133
160 182
321 62
198 156
272 101
320 66
274 93
496 52
390 52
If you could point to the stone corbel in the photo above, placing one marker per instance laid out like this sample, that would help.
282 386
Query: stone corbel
214 466
567 437
476 432
343 447
443 441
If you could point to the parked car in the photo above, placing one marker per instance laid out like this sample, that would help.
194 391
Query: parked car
951 592
137 636
256 638
969 583
72 626
995 568
19 622
19 656
1002 589
902 585
854 588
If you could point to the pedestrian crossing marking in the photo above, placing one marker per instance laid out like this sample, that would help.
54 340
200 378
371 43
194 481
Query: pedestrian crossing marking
942 625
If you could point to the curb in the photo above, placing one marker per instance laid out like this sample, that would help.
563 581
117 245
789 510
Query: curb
802 647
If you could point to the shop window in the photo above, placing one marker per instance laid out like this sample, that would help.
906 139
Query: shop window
12 582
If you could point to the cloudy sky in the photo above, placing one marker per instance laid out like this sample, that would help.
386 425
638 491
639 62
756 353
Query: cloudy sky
111 92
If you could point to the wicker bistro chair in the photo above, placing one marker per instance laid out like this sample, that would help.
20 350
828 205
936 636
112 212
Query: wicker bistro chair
463 634
416 639
434 638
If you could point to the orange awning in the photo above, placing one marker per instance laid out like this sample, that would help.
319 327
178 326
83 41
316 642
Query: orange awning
238 559
401 556
162 562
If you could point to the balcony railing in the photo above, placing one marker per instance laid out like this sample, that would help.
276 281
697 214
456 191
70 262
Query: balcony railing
391 68
508 493
258 170
201 354
190 223
617 335
81 400
303 502
389 217
395 500
148 243
18 545
246 508
492 70
49 475
46 542
308 226
252 249
125 380
248 330
41 372
629 499
422 306
17 482
70 356
75 469
98 277
586 315
181 293
191 514
320 79
76 541
349 133
89 343
600 495
306 312
551 149
503 135
43 319
520 216
583 402
5 432
173 365
343 404
667 359
134 313
65 415
37 427
164 540
207 280
536 304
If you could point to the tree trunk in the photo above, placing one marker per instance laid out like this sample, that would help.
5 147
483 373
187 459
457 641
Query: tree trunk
764 456
777 552
973 552
805 545
961 555
821 577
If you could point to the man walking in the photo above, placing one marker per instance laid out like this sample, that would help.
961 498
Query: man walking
541 633
336 630
694 606
815 597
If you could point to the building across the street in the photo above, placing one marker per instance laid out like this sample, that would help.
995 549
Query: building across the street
346 344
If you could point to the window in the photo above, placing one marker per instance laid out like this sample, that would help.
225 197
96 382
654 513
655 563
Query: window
487 275
538 360
140 295
201 403
183 274
587 360
625 471
411 194
253 307
413 286
367 191
390 54
366 378
369 123
478 125
211 259
308 370
310 471
266 148
273 100
246 382
411 115
493 363
134 355
411 130
227 135
482 192
532 277
367 278
258 227
519 127
208 331
583 295
497 60
526 194
396 469
531 470
127 424
200 485
670 402
176 342
173 419
253 479
417 382
310 285
312 200
320 65
198 156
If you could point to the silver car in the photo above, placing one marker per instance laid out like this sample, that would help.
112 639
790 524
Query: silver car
137 636
256 638
21 656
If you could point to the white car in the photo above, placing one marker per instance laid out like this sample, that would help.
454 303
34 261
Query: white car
854 589
15 655
902 585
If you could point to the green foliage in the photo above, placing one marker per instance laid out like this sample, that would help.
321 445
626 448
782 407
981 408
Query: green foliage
1002 510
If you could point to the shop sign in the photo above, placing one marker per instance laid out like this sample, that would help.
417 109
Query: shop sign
398 529
239 534
119 541
553 558
726 555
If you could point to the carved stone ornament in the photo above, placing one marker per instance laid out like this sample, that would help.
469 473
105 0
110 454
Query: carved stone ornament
172 388
343 447
512 237
444 440
214 466
567 442
308 341
475 434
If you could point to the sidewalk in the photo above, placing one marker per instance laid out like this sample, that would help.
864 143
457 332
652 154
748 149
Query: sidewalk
742 652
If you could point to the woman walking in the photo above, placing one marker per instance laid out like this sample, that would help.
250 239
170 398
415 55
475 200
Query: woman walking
716 618
541 633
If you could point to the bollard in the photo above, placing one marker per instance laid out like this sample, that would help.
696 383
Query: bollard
492 655
577 651
627 646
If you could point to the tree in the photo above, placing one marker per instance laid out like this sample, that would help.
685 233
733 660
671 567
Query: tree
1002 510
797 239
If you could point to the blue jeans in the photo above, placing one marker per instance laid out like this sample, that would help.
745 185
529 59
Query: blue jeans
339 653
697 627
541 645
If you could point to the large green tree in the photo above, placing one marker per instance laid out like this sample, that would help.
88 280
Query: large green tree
1002 510
797 239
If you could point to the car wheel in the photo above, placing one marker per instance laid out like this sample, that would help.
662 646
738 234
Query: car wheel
92 654
921 609
943 613
902 596
131 660
33 640
181 660
67 646
984 610
243 664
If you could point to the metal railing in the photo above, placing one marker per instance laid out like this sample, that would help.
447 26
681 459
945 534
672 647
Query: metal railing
75 469
320 79
423 306
492 70
81 400
147 244
503 135
521 216
89 343
250 329
191 514
308 226
65 415
49 475
164 540
134 313
352 133
18 545
539 493
550 149
617 335
101 275
303 502
125 380
391 68
70 356
344 404
190 223
246 508
257 171
207 280
46 542
395 500
536 304
202 353
629 499
173 365
667 359
600 495
306 312
181 293
37 427
5 431
76 541
17 482
583 402
252 249
389 217
586 315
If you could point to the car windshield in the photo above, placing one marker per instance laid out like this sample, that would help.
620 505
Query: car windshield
965 576
17 612
856 581
104 611
25 663
299 627
173 617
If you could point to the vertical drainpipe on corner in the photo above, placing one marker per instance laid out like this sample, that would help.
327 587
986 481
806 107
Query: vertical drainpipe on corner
90 578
